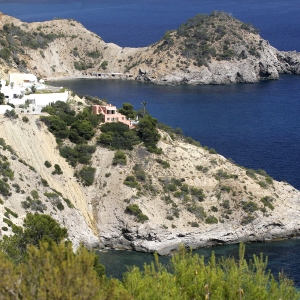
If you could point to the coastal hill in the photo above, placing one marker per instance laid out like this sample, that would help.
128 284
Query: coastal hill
140 200
207 49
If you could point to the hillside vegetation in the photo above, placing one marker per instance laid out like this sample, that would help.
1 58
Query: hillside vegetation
38 262
147 189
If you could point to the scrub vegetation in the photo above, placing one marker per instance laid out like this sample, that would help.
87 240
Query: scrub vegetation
38 262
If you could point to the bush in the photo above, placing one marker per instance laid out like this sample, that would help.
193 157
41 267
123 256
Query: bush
87 175
35 194
117 135
4 188
139 173
11 114
211 220
267 201
81 153
214 209
220 174
263 184
136 211
164 163
57 170
104 64
251 173
25 119
119 158
60 206
47 164
197 193
131 182
250 206
247 219
198 211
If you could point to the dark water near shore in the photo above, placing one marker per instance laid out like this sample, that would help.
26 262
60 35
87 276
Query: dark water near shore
256 125
285 258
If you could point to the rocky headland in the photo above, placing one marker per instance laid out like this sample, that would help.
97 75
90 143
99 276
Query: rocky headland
207 49
186 195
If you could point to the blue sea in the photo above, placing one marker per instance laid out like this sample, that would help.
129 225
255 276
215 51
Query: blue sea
257 125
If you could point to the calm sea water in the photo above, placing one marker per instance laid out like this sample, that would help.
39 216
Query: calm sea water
255 125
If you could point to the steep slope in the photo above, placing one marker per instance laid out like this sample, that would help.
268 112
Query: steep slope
33 145
207 49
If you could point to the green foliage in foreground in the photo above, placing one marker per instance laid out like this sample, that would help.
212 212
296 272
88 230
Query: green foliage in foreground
55 272
36 228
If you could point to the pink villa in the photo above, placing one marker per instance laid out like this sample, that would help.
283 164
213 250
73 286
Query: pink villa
111 115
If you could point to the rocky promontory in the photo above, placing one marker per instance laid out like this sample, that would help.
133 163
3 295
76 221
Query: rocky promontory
187 195
207 49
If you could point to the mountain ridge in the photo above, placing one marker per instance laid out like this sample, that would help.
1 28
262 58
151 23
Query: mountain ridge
207 49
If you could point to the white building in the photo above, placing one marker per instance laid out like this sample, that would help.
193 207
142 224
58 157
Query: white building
19 83
24 80
4 108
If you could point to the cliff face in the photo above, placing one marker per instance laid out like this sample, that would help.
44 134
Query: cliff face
188 194
214 49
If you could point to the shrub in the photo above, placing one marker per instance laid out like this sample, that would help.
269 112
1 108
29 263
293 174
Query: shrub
57 170
198 211
267 201
251 173
247 219
11 114
202 168
47 164
211 220
35 194
9 211
60 206
220 174
4 188
136 211
262 184
139 173
214 209
104 64
87 175
225 188
25 119
269 180
250 206
197 193
119 158
69 203
131 182
117 135
194 224
164 163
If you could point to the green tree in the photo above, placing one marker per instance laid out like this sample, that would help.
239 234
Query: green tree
146 130
84 128
56 272
36 228
128 111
